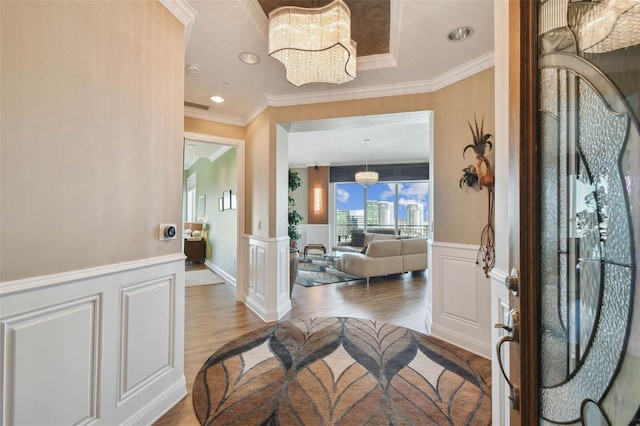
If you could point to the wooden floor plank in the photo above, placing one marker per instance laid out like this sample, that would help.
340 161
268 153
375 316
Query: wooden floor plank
213 318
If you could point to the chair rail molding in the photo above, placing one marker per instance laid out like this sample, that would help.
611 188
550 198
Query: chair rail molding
461 297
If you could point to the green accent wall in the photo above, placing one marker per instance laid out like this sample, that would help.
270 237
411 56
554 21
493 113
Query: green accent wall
221 233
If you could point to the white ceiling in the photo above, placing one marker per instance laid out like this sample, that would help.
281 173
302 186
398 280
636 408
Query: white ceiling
342 141
422 59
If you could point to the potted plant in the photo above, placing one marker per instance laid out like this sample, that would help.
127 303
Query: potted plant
294 217
294 235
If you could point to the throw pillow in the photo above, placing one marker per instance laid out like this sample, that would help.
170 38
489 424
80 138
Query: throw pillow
357 239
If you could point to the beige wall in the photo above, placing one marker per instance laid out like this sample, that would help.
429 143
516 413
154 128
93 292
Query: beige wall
91 135
258 176
460 214
205 127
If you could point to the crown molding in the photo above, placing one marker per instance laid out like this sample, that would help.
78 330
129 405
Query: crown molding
225 119
183 11
257 111
466 70
219 153
472 67
203 115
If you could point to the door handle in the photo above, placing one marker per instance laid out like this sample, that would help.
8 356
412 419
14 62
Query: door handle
513 335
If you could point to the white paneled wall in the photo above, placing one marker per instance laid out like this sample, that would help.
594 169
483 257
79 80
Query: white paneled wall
461 298
101 345
268 288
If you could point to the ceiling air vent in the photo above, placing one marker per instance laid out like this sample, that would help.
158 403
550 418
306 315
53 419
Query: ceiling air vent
191 104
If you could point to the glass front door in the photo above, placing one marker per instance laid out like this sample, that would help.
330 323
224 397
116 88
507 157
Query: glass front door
589 156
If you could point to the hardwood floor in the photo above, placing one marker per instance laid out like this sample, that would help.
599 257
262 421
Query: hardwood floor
213 318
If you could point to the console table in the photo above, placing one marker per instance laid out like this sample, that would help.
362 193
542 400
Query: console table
195 249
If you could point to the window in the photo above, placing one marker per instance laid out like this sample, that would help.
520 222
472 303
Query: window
400 208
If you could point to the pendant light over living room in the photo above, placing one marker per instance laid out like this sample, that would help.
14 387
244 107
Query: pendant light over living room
366 178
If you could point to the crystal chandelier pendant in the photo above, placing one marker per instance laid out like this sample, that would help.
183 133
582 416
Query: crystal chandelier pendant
366 178
314 44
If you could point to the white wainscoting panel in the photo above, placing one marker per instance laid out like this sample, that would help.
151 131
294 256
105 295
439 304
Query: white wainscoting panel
260 271
268 289
146 334
103 345
53 369
461 298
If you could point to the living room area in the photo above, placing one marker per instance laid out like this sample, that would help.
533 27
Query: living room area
330 205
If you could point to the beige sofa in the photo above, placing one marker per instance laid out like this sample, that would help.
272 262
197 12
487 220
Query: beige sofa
360 240
385 257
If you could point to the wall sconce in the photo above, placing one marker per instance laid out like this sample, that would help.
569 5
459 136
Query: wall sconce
317 200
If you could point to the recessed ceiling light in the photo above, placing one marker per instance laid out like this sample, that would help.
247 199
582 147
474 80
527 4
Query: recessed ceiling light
460 34
249 58
217 99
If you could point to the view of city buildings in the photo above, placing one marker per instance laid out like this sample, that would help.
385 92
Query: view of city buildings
398 206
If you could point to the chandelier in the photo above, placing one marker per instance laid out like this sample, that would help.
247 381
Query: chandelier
366 178
314 44
608 25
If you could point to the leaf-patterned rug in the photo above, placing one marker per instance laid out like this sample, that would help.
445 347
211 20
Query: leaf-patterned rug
338 370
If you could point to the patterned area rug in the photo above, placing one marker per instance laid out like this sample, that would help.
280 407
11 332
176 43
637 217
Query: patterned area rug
320 271
201 277
348 371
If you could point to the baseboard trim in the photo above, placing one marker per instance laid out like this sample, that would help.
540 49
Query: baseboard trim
161 405
476 346
224 275
256 308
